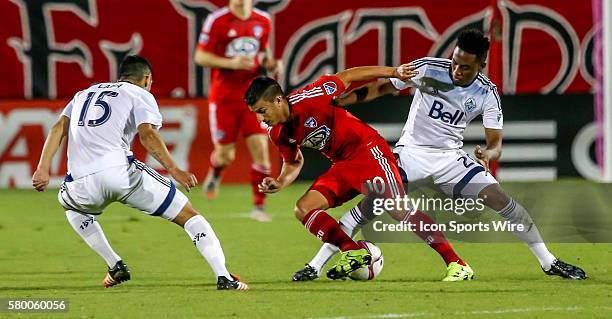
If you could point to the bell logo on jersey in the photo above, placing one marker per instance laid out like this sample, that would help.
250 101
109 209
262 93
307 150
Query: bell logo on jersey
330 87
310 122
317 138
437 112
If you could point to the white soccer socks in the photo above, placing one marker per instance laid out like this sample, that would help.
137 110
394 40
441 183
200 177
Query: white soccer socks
89 229
207 243
516 214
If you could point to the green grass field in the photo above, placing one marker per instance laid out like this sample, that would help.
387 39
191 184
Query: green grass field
41 256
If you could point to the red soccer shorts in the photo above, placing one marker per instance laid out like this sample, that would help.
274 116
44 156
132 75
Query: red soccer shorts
375 170
228 119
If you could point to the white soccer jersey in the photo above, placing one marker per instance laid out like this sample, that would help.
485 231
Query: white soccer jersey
103 121
440 111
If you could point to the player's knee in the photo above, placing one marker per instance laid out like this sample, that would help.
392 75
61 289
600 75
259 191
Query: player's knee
300 211
494 197
226 158
185 214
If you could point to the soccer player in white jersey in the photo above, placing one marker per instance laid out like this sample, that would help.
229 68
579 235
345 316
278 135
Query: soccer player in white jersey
449 94
100 123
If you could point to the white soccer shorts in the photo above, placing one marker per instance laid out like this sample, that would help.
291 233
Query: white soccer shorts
455 172
135 185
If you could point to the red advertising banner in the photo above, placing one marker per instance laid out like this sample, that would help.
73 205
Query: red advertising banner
51 49
25 124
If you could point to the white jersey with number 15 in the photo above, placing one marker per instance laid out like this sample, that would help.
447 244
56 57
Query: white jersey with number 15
103 121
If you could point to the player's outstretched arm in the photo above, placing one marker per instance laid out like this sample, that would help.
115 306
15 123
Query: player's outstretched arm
40 179
211 60
493 150
403 72
366 93
150 139
289 172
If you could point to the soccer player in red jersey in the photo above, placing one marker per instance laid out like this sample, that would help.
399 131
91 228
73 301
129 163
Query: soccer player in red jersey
309 118
234 44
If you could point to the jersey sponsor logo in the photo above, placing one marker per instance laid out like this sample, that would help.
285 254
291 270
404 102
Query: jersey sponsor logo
243 46
436 112
310 122
330 87
470 105
317 138
257 31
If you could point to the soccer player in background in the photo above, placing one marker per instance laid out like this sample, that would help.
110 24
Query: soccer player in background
234 44
309 118
451 93
100 123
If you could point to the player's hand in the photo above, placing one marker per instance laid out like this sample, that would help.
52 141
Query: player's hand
187 179
405 72
269 185
40 180
243 63
483 156
275 67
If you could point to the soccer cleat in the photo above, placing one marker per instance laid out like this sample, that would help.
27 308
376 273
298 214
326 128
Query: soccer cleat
259 214
211 185
458 272
565 270
350 261
307 273
224 283
116 275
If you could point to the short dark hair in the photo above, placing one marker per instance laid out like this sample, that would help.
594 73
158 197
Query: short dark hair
473 41
135 66
262 87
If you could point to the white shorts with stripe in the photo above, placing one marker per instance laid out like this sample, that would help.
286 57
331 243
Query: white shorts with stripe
454 172
135 185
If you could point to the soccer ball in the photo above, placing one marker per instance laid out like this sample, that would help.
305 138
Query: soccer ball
373 270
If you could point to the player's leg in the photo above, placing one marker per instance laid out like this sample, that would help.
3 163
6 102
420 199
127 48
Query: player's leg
207 243
157 196
310 210
260 169
82 200
350 223
495 198
223 130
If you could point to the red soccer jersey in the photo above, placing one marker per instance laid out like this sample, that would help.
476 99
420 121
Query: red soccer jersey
226 35
317 123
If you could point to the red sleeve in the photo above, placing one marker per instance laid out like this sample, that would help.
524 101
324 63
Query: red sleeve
288 150
208 38
321 91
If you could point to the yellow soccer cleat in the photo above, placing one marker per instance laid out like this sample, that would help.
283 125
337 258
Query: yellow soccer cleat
458 272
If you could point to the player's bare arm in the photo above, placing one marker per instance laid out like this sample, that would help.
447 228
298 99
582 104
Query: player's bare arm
403 72
289 172
208 59
493 149
40 179
367 93
150 139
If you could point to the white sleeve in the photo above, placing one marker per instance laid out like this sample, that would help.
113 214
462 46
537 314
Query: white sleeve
492 116
67 111
146 110
414 82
